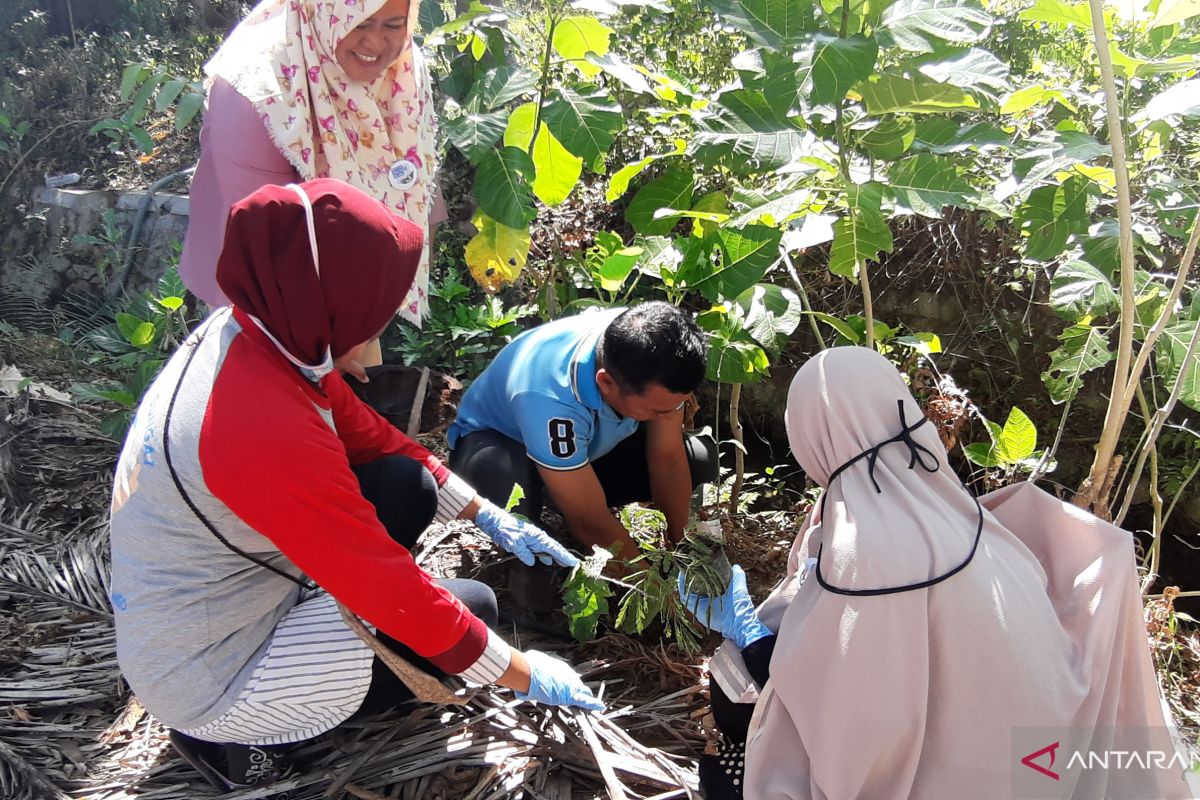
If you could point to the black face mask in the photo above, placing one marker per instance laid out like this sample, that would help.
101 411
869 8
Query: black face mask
918 454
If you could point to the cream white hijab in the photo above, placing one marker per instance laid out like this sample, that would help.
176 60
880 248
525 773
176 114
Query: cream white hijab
939 692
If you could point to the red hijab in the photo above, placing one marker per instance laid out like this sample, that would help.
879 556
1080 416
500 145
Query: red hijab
367 258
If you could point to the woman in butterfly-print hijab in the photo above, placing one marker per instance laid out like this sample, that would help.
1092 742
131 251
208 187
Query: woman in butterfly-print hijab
303 89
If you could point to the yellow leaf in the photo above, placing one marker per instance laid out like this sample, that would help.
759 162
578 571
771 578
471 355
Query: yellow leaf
1104 177
558 170
497 254
575 37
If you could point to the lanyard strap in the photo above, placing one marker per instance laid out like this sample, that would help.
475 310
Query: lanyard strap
917 455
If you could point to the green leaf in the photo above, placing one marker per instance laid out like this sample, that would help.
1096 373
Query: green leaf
616 261
167 94
129 325
474 132
557 170
746 133
619 183
612 64
847 332
430 16
141 99
830 66
735 360
770 314
130 78
771 207
888 93
924 343
502 186
925 184
1171 351
746 256
1018 439
1101 246
920 25
586 124
673 190
1022 100
861 15
944 136
514 497
768 22
575 37
866 201
585 600
1050 215
1083 348
617 267
500 85
1056 12
774 75
1175 204
1173 12
172 303
146 372
855 243
1052 152
982 454
94 391
977 70
890 138
187 108
1150 297
142 139
1080 290
1182 100
708 213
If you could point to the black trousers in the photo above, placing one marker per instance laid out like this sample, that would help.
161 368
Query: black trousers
405 497
493 463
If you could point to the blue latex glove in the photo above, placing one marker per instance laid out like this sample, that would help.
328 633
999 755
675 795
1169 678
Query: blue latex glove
732 615
556 683
523 539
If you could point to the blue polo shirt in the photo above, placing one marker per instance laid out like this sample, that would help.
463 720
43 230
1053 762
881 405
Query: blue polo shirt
541 390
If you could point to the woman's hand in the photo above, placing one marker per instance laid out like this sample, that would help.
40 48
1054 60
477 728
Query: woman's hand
540 678
732 615
523 539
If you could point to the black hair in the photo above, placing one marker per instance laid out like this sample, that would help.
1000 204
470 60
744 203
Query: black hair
654 343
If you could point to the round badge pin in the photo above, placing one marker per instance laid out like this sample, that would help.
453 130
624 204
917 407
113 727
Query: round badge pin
403 174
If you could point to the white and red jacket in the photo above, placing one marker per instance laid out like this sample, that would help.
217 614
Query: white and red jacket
260 457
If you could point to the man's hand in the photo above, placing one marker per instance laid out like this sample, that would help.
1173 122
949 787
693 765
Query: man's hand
579 496
523 539
670 476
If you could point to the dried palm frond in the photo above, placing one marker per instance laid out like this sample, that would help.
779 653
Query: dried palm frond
20 780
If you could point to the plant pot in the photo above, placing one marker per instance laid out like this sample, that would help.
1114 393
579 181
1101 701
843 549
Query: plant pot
393 390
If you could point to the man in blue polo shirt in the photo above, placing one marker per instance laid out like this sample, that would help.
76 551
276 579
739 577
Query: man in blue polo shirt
590 408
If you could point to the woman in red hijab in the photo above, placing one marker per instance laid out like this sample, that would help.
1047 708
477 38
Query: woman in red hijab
255 492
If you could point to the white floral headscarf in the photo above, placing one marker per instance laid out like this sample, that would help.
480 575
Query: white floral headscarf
380 137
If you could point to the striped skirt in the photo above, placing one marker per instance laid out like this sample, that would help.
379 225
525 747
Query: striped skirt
313 676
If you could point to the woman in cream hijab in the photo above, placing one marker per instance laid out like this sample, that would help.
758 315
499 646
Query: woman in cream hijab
306 89
926 644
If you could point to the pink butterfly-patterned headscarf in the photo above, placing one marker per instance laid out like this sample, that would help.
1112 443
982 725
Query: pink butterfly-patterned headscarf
380 137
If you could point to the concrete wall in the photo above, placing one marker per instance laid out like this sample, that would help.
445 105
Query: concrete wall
74 242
